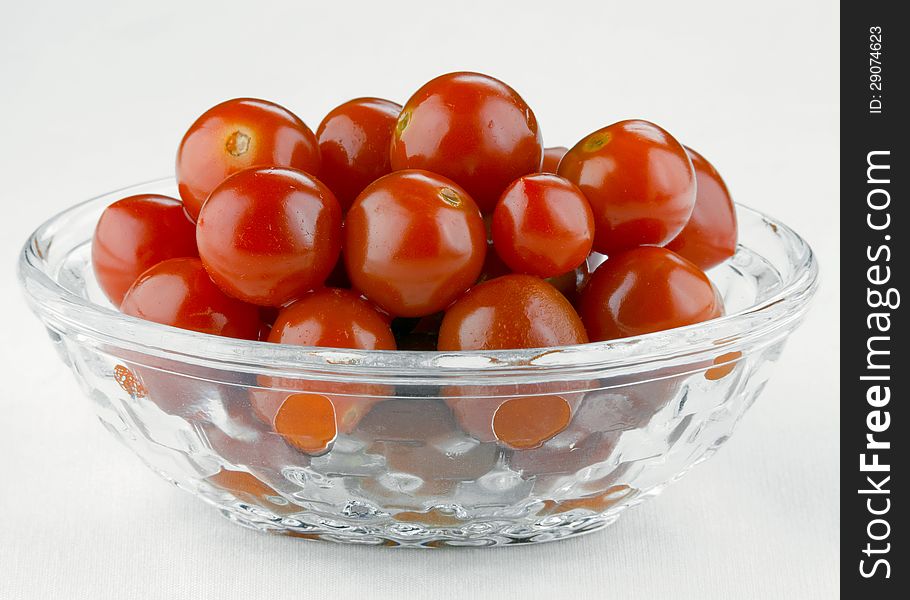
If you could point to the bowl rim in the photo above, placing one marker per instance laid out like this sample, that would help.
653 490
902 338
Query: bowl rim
758 325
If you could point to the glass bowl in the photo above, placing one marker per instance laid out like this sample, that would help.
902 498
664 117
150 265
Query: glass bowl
420 448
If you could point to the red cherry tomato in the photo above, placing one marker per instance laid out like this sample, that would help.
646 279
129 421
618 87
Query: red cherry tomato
310 419
354 143
644 290
568 284
236 135
709 238
333 318
268 235
528 422
502 412
543 226
512 311
179 293
414 242
639 181
136 233
472 129
551 158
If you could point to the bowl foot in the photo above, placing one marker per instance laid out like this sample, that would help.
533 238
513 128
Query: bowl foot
502 532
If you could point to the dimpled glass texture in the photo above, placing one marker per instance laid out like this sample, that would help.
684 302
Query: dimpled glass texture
420 457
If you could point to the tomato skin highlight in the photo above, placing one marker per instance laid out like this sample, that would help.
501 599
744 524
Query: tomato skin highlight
645 290
511 312
543 226
238 134
413 243
709 238
639 181
179 293
472 129
354 143
136 233
269 235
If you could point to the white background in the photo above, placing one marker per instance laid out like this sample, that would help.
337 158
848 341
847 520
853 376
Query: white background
94 97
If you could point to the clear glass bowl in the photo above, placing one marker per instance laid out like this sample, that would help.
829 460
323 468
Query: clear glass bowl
419 457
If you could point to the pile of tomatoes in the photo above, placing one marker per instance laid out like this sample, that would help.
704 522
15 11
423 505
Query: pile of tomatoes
440 225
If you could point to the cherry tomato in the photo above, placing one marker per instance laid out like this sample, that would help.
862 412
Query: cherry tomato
236 135
568 284
543 226
311 418
551 158
414 242
520 422
268 235
530 421
476 409
644 290
639 181
179 293
333 318
354 143
709 238
512 311
136 233
472 129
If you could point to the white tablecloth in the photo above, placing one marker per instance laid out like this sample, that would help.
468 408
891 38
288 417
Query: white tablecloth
94 96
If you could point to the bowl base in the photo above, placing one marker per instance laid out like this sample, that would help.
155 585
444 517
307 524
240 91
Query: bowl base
413 535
